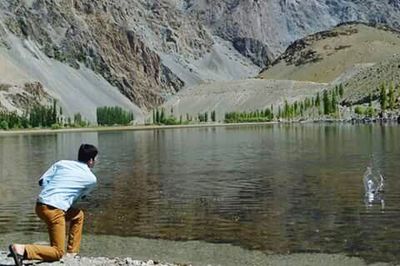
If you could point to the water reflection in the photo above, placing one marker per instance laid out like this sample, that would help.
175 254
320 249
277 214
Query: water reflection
281 188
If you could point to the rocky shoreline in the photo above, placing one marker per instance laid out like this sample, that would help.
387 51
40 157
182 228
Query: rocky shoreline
275 260
86 261
117 250
362 120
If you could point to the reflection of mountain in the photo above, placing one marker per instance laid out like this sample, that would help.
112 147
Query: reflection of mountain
279 188
284 188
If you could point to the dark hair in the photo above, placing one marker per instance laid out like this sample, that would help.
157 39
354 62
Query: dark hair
86 152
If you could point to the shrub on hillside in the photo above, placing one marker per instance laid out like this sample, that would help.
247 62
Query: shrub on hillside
3 125
359 110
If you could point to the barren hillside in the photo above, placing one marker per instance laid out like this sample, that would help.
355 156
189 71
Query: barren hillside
324 56
244 95
369 80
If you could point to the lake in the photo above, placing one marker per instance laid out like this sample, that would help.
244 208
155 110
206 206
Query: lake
278 189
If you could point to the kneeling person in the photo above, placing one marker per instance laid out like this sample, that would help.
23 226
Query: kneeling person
62 184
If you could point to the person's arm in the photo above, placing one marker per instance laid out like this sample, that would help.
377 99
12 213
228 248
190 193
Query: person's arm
46 177
87 190
90 182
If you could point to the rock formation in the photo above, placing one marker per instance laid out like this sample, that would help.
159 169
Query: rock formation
150 49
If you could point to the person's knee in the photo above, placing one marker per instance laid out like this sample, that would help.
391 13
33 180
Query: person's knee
75 216
59 254
81 216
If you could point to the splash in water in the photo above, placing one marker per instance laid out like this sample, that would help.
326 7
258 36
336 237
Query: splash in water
373 185
373 181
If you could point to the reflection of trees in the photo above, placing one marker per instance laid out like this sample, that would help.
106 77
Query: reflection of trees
127 206
127 192
22 160
284 188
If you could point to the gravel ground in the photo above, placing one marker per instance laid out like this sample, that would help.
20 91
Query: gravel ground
115 250
83 261
275 260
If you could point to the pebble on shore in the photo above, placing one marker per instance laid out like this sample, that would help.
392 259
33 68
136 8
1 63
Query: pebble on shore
87 261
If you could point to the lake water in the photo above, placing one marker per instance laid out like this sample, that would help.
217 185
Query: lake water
273 188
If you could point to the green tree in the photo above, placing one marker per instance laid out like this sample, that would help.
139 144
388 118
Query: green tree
157 116
341 90
295 108
334 102
317 100
383 97
336 89
391 96
54 113
370 99
162 116
271 117
327 103
201 117
213 118
78 121
3 124
109 116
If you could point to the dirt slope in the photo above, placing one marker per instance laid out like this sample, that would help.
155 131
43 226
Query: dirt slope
324 56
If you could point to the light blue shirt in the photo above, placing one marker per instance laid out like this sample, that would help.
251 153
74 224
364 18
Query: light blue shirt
64 183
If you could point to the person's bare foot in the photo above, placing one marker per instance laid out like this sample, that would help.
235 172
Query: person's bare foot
18 248
70 255
17 253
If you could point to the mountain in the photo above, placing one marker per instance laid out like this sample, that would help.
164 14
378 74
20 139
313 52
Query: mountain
267 27
139 53
361 57
146 50
324 56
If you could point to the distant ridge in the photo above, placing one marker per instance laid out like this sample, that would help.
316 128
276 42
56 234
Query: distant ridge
324 56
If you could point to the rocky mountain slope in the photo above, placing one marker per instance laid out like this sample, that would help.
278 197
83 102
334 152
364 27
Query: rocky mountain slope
148 50
17 98
267 27
358 56
76 90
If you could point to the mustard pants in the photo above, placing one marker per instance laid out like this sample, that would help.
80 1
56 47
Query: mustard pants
56 225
